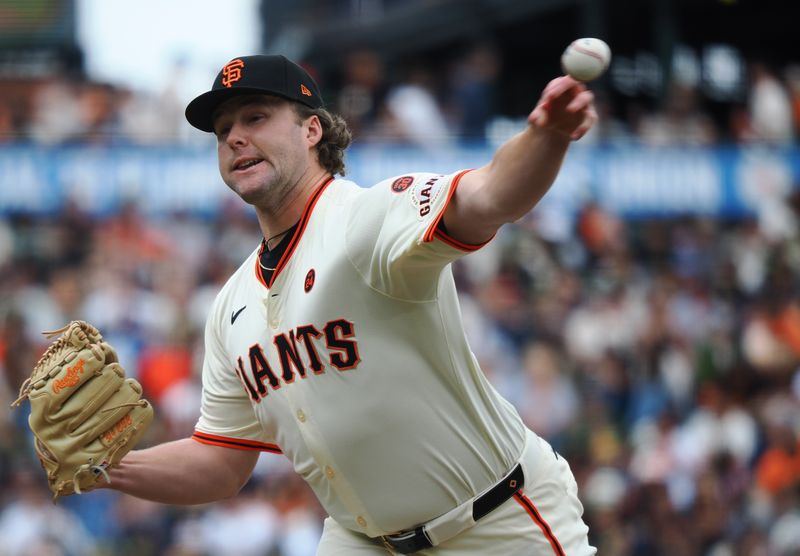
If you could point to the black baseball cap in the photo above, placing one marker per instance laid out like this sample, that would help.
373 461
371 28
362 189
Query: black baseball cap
248 75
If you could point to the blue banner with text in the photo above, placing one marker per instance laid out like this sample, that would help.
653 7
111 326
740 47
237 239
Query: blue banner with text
634 182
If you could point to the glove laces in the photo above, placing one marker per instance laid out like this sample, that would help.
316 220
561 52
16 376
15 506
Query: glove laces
82 328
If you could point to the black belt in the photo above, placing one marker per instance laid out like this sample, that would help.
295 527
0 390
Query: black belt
416 540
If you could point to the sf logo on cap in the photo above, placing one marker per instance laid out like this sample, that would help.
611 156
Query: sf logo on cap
232 72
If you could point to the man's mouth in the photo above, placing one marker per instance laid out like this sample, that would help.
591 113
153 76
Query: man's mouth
245 163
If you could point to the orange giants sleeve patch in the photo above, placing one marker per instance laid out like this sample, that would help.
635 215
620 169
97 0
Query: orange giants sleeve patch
401 184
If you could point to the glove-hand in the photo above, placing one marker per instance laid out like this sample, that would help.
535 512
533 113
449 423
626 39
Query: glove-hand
85 415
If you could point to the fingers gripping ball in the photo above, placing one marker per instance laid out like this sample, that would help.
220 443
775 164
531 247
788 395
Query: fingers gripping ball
586 59
85 415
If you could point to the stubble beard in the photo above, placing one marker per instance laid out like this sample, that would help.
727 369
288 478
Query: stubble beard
270 193
273 190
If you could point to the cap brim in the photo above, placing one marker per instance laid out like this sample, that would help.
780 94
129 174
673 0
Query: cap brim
200 111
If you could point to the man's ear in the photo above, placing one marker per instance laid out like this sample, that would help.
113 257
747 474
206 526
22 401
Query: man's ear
313 130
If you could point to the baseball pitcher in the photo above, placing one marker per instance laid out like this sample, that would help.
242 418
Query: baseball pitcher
339 341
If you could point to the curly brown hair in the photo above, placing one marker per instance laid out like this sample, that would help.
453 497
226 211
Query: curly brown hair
336 137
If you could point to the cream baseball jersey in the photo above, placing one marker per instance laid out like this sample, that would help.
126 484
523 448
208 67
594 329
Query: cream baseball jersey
351 360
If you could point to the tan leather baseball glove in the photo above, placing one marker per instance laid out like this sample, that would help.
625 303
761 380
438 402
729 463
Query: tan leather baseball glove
85 415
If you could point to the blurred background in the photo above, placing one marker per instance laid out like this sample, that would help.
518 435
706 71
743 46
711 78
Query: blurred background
644 318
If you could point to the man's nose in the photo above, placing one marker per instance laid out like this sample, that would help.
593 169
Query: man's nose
236 136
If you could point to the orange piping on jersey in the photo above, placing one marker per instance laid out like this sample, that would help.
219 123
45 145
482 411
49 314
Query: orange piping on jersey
429 233
259 276
457 244
435 231
526 503
309 208
237 443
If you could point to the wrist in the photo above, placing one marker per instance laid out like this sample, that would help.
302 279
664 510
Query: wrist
552 137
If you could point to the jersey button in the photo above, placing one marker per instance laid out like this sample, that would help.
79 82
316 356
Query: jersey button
301 416
361 521
329 472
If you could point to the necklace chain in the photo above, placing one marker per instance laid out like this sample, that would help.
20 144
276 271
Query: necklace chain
264 267
266 244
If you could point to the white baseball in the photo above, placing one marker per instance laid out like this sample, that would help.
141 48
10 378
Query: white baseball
586 59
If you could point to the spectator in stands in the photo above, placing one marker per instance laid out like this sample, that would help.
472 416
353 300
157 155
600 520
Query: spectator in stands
473 91
363 92
413 112
771 112
682 122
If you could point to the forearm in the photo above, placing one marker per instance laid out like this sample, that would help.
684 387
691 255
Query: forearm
520 173
524 168
183 472
518 176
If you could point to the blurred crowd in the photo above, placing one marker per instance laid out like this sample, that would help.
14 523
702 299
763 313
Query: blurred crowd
661 357
424 102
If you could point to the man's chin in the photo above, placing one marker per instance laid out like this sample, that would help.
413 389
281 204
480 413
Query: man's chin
252 196
249 192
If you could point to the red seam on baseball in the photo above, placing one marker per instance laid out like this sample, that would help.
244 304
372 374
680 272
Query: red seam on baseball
589 53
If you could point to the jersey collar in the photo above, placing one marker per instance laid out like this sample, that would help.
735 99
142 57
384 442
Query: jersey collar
298 233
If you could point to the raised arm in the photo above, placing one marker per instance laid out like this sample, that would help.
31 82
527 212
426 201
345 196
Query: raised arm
183 472
524 168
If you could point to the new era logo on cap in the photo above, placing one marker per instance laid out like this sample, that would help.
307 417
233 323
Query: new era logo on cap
254 75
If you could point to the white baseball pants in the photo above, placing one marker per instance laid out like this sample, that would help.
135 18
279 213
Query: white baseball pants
543 519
